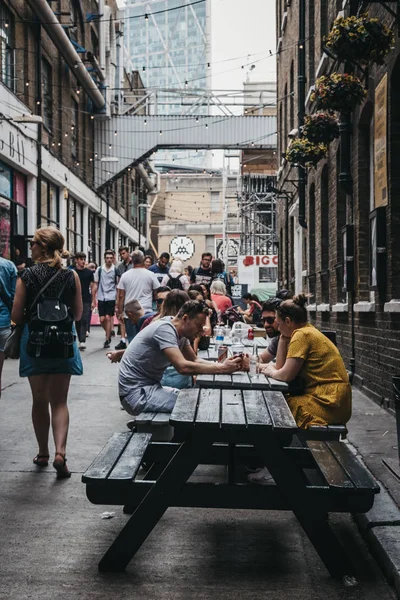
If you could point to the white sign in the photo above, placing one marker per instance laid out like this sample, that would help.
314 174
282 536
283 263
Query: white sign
181 247
256 270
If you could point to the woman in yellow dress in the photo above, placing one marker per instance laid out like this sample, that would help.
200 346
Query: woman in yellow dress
326 399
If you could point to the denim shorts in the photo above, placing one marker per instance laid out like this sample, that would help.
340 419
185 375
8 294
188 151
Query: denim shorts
4 333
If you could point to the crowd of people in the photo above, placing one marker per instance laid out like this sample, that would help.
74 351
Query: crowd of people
165 312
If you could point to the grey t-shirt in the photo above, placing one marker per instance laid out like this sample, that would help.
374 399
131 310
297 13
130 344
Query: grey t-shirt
273 345
107 289
144 361
139 284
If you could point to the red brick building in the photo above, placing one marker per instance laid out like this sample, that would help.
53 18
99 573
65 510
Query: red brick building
343 206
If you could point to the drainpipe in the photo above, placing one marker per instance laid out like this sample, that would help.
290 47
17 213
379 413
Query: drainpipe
96 65
301 93
61 41
143 174
38 60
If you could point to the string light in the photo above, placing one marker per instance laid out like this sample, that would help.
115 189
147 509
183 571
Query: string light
78 90
160 131
197 119
145 121
6 24
59 144
66 134
146 17
186 84
115 132
206 125
109 146
92 117
208 66
27 84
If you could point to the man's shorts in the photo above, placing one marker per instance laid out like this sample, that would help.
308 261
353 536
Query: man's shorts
150 398
106 307
4 333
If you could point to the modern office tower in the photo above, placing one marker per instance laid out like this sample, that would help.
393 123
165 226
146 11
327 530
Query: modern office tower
168 42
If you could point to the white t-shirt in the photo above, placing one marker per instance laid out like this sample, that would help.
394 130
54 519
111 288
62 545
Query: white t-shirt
139 284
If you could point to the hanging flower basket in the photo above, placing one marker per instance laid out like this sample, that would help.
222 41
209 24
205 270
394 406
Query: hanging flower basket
321 127
305 153
338 91
360 39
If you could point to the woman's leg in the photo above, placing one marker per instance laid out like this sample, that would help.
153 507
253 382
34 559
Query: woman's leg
58 393
40 411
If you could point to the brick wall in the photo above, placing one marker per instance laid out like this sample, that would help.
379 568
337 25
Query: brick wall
377 349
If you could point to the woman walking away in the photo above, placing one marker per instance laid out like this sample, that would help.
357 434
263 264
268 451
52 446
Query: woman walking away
48 300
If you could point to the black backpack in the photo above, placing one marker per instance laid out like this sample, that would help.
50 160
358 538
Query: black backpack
50 325
175 283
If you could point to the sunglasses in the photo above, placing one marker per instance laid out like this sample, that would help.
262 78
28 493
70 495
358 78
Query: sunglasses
160 300
269 320
33 242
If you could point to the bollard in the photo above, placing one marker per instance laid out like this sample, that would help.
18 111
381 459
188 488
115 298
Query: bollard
396 393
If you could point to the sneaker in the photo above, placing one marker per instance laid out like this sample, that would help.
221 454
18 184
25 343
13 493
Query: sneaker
87 334
112 333
107 344
120 346
82 346
262 477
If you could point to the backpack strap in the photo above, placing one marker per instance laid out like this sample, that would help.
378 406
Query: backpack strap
44 287
63 287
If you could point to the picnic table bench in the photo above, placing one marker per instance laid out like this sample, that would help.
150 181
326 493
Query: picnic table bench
311 480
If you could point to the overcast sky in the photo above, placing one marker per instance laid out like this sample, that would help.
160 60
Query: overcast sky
239 28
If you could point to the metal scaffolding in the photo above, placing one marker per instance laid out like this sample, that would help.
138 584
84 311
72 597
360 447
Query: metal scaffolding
257 210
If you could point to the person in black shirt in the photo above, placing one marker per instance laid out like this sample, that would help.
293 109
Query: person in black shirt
203 273
87 281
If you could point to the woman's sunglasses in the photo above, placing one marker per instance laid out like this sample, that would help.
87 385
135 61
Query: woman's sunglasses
269 320
33 242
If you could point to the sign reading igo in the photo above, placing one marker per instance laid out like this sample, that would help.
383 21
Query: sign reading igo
268 260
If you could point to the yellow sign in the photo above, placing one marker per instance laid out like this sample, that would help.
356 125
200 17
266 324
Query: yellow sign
380 143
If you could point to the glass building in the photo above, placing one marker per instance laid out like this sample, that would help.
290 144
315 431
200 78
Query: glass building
168 42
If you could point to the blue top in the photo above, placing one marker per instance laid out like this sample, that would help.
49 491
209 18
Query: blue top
8 279
157 269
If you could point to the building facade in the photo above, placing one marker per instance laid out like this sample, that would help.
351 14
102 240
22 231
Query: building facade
169 43
55 79
343 248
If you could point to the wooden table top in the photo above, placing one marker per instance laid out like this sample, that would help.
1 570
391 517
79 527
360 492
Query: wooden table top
241 381
232 409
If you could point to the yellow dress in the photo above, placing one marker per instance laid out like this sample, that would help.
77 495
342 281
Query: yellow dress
327 397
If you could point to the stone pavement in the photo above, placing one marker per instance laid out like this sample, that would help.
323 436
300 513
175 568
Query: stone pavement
52 537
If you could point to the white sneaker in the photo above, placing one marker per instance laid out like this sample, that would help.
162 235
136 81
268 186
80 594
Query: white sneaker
82 346
262 477
87 334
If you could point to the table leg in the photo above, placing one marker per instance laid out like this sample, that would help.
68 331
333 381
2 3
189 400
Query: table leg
311 517
153 505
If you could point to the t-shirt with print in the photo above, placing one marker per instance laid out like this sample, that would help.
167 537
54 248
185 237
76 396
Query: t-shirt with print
85 277
200 275
107 286
144 361
139 284
158 271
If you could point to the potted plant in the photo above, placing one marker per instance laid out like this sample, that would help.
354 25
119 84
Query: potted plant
360 39
304 152
338 91
321 127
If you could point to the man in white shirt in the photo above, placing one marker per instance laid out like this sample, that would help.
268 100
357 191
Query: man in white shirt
136 284
105 291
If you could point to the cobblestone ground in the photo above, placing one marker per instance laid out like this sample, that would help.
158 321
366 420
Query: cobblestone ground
52 537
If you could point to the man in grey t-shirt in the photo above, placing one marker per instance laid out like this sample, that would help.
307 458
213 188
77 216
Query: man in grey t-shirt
159 345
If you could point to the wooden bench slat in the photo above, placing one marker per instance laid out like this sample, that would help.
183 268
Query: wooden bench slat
241 378
208 411
255 408
161 419
279 411
129 462
352 466
259 382
145 417
281 386
232 411
107 457
334 474
185 408
222 380
205 380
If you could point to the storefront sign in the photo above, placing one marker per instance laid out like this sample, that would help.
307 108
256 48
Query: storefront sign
380 143
268 260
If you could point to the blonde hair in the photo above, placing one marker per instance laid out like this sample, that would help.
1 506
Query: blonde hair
176 267
52 241
218 287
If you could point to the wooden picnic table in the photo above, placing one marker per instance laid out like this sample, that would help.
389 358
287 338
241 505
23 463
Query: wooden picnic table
258 342
241 381
207 424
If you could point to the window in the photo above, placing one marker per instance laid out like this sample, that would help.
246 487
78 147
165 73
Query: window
7 56
94 238
47 94
74 129
291 99
215 202
324 241
311 244
74 225
50 204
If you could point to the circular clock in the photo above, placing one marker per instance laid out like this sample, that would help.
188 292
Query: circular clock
181 247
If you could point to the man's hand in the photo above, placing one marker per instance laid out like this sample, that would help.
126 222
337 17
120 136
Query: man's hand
269 370
115 356
94 303
230 365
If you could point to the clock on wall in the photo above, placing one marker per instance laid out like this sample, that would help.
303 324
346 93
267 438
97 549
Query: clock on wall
181 247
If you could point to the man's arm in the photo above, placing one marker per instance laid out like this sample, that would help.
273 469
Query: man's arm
120 302
288 372
191 355
188 367
266 356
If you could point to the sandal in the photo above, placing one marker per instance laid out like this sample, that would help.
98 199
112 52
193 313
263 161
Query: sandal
60 466
41 460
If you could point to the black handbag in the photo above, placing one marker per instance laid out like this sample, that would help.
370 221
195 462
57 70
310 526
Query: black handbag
13 342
